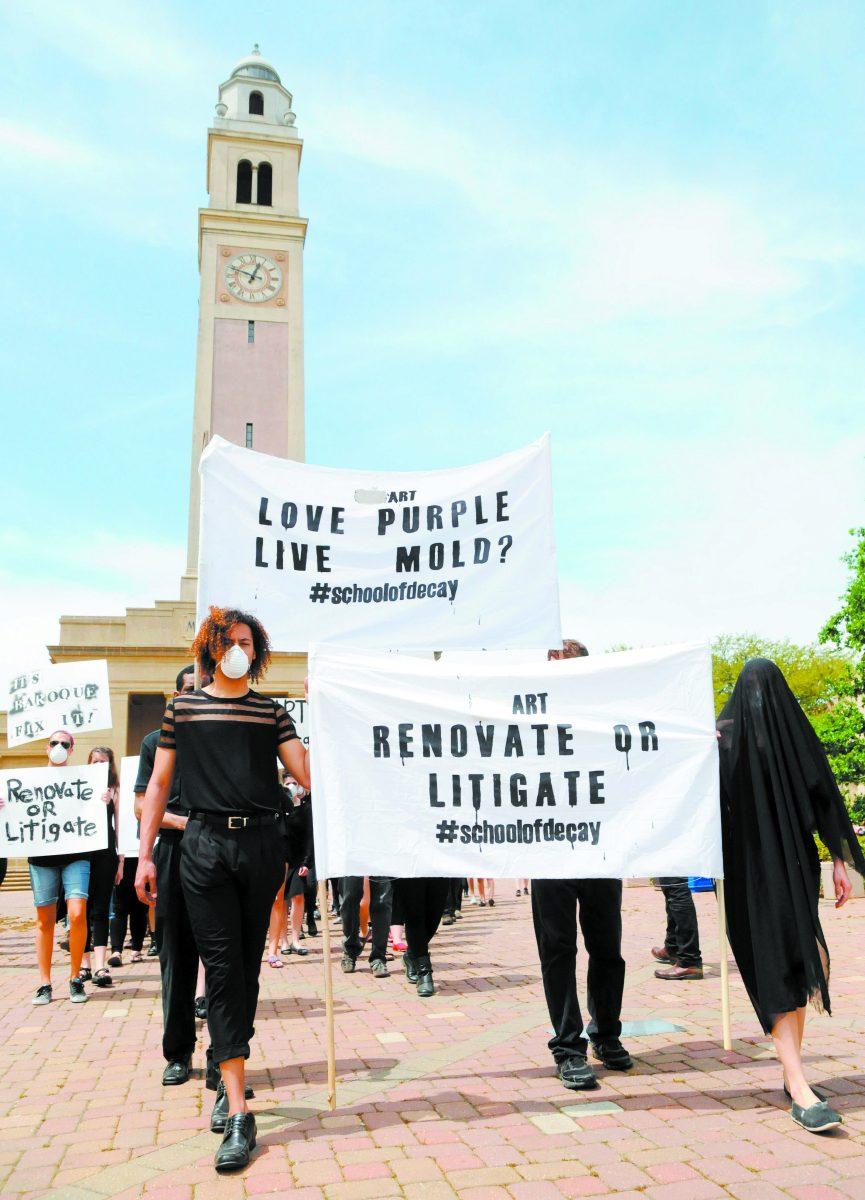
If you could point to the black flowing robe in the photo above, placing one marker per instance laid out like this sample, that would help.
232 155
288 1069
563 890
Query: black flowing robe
777 790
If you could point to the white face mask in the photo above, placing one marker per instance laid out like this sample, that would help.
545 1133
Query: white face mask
58 755
234 664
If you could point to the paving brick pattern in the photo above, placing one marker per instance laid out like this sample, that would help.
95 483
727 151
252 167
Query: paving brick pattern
453 1096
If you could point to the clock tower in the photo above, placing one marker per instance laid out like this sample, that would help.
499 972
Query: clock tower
249 364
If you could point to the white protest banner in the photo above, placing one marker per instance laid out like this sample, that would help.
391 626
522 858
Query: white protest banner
127 823
494 766
423 560
53 810
71 696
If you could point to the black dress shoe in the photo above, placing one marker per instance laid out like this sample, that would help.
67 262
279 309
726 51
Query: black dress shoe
201 1008
176 1072
576 1074
219 1116
613 1055
238 1142
425 985
410 968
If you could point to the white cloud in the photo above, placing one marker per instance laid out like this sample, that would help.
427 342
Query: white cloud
762 554
95 574
591 238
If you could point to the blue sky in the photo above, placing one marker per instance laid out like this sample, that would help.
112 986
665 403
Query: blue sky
636 225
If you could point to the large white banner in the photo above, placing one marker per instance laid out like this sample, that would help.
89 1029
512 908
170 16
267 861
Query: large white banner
53 810
72 695
128 825
490 765
422 560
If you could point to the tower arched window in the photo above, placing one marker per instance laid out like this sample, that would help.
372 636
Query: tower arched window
256 104
244 182
265 184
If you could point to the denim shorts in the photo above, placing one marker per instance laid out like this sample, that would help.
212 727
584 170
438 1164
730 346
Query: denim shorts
45 881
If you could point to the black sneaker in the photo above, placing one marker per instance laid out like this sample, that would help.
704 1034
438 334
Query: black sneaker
201 1008
576 1074
238 1143
77 993
44 995
613 1055
347 963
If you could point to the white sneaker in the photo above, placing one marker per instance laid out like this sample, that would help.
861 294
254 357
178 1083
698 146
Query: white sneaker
43 994
77 993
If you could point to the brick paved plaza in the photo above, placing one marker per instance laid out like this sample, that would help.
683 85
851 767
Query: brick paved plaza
453 1096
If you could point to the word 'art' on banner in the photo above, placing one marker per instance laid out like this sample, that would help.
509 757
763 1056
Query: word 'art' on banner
53 810
488 765
424 560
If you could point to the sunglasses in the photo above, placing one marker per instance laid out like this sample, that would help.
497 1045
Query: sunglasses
65 745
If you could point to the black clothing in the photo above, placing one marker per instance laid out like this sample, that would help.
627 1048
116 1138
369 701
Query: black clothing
146 758
230 879
554 912
421 905
299 846
777 791
227 750
103 869
380 910
178 953
454 901
682 941
127 907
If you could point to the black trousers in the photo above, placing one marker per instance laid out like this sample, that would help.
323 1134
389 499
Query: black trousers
127 907
682 941
178 953
454 901
554 911
380 910
230 879
421 905
103 868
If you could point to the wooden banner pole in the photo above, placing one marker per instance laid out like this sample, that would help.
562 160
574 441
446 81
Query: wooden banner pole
725 967
328 994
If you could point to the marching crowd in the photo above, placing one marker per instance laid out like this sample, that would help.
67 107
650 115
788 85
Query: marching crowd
226 880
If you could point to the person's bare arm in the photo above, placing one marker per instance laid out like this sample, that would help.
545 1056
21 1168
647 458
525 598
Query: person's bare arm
294 756
152 815
170 820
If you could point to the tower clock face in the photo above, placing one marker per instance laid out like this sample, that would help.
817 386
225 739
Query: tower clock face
252 277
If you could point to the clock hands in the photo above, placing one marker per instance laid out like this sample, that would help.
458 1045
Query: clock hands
255 272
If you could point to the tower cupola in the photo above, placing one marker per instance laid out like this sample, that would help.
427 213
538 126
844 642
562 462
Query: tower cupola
253 96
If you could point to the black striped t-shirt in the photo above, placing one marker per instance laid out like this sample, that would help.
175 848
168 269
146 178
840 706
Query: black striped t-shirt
226 750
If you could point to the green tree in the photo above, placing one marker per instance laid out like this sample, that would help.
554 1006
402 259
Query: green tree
843 727
817 676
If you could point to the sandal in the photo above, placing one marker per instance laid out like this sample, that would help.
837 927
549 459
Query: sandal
115 959
137 956
273 961
85 975
102 978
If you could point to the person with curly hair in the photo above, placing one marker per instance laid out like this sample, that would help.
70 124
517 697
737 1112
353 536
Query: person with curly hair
226 738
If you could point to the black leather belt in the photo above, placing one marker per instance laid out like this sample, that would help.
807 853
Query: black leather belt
235 821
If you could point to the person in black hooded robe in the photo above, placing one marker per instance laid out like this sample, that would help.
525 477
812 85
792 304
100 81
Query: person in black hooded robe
777 791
